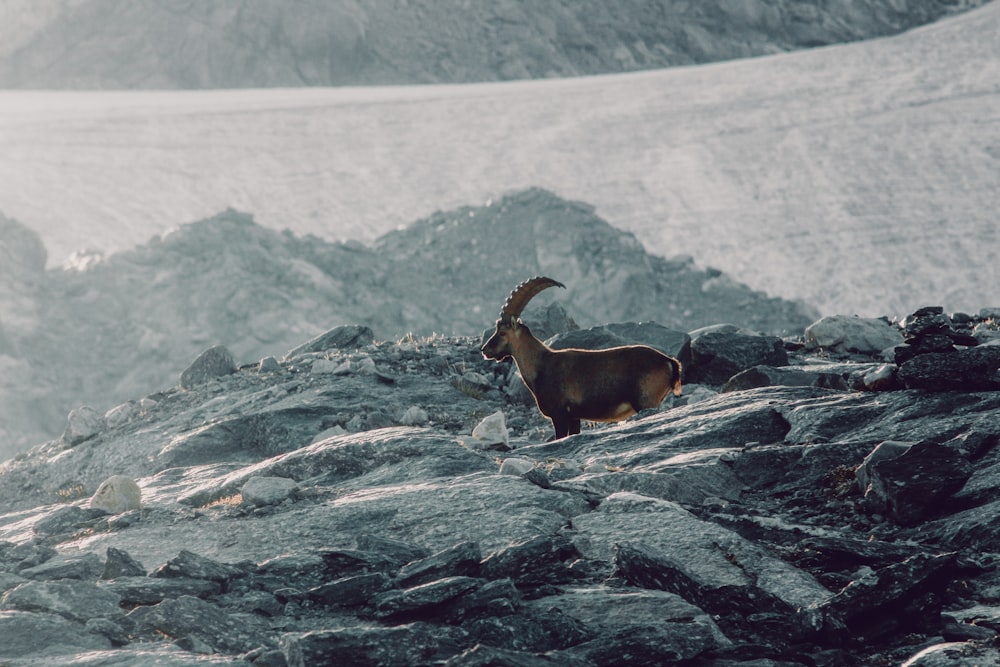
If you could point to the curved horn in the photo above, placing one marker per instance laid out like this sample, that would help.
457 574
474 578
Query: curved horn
524 293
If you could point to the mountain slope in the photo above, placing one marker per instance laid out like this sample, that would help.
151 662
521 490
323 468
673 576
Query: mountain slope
857 178
104 44
127 324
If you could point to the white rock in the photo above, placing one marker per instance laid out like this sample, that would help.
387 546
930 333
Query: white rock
82 424
268 365
516 465
491 431
261 491
841 333
363 366
325 366
117 494
120 414
414 416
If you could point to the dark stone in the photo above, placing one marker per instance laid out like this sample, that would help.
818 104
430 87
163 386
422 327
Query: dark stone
187 565
71 599
642 567
459 560
541 631
202 622
482 655
662 644
718 356
491 600
373 646
342 562
25 633
768 376
83 566
913 484
424 598
973 369
120 564
343 337
149 590
67 519
213 363
397 551
353 591
904 597
540 560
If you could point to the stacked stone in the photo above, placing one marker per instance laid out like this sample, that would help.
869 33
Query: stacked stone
937 356
930 330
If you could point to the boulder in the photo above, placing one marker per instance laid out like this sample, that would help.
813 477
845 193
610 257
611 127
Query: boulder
82 424
491 432
188 565
973 369
195 620
398 646
41 635
117 494
84 566
423 599
338 338
718 356
862 335
461 559
120 564
262 491
74 600
215 362
913 484
769 376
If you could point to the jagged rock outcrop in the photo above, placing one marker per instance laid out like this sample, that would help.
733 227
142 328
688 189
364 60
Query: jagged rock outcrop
267 43
709 531
133 322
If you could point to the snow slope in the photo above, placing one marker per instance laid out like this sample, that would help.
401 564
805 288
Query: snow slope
861 178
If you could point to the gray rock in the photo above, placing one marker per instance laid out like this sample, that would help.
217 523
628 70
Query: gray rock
352 591
40 635
73 600
141 590
66 520
461 559
955 654
399 646
716 356
768 376
424 598
120 564
343 337
188 565
268 365
262 491
82 424
541 560
974 369
199 621
84 566
913 484
215 362
840 333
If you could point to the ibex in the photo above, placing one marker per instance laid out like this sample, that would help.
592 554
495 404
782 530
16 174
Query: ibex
570 385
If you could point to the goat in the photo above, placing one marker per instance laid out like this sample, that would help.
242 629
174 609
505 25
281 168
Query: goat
571 385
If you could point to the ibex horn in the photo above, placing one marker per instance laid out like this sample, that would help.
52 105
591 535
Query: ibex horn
523 293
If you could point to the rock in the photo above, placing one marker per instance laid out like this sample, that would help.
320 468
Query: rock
188 565
955 654
74 600
66 520
839 333
514 465
117 494
137 590
194 619
974 369
354 591
768 376
339 338
461 559
121 414
398 646
537 561
120 564
268 365
414 416
716 356
546 321
422 600
262 491
881 379
41 635
82 424
913 484
215 362
491 432
884 451
85 566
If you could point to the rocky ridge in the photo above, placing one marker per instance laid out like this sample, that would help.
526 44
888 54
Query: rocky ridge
266 43
116 327
341 504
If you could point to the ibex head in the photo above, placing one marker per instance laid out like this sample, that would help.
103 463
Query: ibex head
501 344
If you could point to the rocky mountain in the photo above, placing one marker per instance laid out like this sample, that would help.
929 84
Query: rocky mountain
106 329
105 44
396 503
